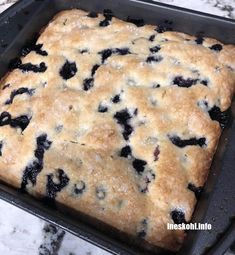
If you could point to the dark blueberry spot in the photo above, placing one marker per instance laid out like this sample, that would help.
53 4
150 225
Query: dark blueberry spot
20 122
100 193
204 82
116 99
108 17
162 29
92 15
104 23
1 144
33 169
121 51
41 68
122 117
52 187
141 233
146 178
139 164
5 118
102 108
151 59
185 83
178 216
156 86
83 51
19 91
196 190
136 111
94 69
68 70
224 118
199 40
105 54
125 151
32 47
6 86
79 188
151 38
88 83
156 153
15 63
127 131
216 47
176 140
137 22
155 49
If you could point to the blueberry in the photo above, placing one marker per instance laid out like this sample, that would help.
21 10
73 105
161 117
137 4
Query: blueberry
68 70
20 122
5 118
151 38
27 67
100 193
176 140
155 49
122 51
1 145
125 151
105 54
151 59
94 69
199 40
137 22
122 116
185 83
156 153
142 231
204 82
52 187
216 47
104 23
33 169
178 216
127 131
196 190
19 91
162 29
79 188
32 47
108 17
102 108
92 15
116 99
224 118
139 165
84 51
88 83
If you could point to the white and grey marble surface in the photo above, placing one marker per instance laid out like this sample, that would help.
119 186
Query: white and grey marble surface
24 234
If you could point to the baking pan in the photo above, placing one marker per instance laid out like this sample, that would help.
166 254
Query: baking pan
22 21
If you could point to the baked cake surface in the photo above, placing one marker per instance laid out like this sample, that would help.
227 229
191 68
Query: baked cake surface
116 120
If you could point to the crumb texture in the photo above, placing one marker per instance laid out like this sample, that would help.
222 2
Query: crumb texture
116 119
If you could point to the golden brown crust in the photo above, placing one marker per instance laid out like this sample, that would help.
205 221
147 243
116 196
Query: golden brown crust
76 134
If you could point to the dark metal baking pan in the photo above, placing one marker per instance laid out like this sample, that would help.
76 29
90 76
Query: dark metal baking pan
217 203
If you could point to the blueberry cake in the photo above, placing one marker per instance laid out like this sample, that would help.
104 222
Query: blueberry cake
116 119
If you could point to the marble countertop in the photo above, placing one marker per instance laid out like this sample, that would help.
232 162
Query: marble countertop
24 234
